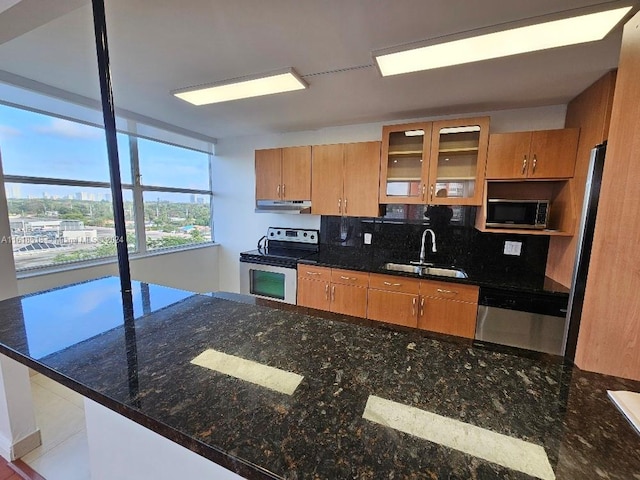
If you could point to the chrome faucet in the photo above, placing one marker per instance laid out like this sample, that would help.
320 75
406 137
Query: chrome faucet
433 243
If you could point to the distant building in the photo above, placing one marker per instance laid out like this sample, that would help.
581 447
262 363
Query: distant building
194 198
12 191
39 225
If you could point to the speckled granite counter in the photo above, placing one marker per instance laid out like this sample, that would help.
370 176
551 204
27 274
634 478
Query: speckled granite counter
483 275
76 336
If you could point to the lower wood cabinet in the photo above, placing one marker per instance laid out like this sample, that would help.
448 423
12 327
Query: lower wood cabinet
393 299
333 290
443 307
448 316
393 307
313 293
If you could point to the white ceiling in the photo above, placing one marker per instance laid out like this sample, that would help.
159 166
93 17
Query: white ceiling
157 46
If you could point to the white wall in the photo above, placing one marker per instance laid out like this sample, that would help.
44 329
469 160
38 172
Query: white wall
194 269
238 227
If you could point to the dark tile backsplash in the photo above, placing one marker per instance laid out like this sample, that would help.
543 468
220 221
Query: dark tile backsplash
398 234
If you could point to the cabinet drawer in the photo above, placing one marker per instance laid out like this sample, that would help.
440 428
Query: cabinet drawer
450 291
314 273
394 283
350 277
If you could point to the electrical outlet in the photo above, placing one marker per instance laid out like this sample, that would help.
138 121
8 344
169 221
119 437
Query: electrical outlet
367 238
513 248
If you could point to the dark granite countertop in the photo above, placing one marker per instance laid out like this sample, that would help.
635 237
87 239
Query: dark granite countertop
373 260
458 411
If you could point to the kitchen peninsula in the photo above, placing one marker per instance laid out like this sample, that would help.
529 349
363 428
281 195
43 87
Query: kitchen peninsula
328 399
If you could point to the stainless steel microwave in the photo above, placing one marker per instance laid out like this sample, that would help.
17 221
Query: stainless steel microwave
502 213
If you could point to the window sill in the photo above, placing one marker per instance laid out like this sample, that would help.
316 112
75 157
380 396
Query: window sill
61 268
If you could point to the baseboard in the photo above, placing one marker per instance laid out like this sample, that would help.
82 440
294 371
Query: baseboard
25 471
18 449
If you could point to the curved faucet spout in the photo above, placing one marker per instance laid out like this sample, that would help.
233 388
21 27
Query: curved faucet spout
433 243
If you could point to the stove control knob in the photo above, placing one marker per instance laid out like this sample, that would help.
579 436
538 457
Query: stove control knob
304 234
271 234
312 237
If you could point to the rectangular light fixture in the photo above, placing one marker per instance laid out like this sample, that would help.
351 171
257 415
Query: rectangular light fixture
541 36
244 87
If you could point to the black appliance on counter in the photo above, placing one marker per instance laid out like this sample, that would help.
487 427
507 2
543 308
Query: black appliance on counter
534 321
270 270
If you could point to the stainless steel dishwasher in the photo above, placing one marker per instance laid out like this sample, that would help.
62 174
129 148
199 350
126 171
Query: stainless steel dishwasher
534 321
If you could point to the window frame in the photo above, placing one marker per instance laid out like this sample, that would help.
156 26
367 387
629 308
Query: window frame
137 189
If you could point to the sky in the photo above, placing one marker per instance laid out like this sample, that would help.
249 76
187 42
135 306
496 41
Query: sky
37 145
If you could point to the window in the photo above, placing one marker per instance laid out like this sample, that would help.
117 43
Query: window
59 196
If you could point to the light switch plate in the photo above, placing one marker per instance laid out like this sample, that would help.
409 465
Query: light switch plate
512 248
367 238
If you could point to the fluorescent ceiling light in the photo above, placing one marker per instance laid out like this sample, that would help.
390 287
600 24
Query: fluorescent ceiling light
552 34
245 87
414 133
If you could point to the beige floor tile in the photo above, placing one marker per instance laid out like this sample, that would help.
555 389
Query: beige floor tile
58 419
58 389
67 461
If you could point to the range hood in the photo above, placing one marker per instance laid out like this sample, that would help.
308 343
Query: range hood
283 206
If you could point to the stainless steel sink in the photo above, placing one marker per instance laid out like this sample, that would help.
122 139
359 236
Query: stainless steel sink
403 267
444 272
425 270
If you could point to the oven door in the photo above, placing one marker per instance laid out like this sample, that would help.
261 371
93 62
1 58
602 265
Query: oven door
268 281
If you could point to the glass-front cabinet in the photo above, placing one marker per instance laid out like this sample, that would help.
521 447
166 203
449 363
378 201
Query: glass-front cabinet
435 163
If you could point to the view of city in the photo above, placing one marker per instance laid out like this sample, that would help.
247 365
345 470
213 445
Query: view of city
80 227
53 222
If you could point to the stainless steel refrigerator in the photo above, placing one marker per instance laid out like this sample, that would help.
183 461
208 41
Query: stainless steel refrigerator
583 252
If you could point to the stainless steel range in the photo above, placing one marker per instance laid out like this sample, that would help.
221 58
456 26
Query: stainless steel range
270 271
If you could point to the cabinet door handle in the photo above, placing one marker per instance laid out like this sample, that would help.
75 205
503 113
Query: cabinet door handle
333 293
283 194
413 306
422 306
424 188
431 192
345 206
339 205
442 290
313 273
524 164
348 278
326 292
392 284
535 160
278 190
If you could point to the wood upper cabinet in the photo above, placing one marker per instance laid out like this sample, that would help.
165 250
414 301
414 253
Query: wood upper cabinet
434 163
283 173
345 179
448 308
543 154
268 164
361 179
